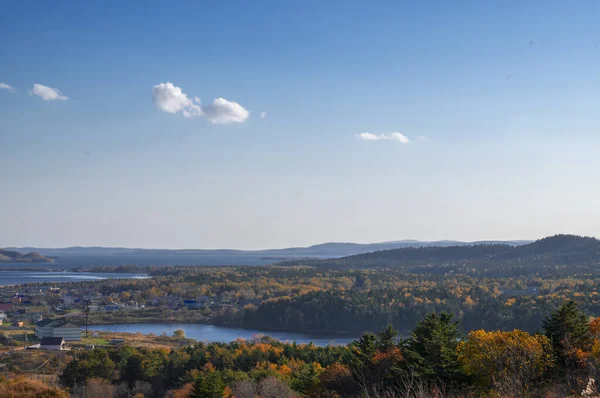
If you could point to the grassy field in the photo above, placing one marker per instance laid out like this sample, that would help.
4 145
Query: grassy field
97 341
130 339
143 340
46 366
35 364
20 337
148 315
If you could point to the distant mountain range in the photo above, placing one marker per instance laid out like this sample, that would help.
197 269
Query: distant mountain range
559 249
553 250
332 249
12 256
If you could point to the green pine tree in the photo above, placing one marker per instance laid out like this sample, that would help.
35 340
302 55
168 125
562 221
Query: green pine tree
365 348
306 380
386 339
567 329
430 352
209 385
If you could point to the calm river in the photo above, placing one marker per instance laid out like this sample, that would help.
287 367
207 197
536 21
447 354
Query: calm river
223 334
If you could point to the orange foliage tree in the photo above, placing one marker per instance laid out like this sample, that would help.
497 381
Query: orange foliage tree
22 388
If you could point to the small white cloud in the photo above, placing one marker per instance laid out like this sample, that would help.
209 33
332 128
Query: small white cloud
381 137
222 111
369 137
263 115
7 87
422 138
170 98
48 93
400 137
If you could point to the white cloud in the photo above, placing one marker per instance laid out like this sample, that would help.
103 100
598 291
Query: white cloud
263 115
172 99
381 137
48 93
422 138
400 137
369 137
222 111
8 87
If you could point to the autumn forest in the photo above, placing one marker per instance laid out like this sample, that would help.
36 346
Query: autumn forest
486 320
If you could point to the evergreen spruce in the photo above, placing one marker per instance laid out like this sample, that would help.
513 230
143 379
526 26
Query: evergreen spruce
568 331
431 352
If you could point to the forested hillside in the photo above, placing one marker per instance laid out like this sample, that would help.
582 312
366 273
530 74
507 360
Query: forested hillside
437 359
558 250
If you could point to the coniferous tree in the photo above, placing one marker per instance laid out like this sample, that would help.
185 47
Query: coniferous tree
209 385
386 339
431 352
568 331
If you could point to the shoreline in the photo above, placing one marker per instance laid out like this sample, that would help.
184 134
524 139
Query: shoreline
240 327
27 270
142 321
63 276
305 337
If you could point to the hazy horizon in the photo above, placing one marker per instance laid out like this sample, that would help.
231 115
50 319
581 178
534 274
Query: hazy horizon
267 248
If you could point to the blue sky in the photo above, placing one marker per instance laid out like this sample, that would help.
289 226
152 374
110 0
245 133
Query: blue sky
507 96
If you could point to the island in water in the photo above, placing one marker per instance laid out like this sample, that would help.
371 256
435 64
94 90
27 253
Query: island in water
12 256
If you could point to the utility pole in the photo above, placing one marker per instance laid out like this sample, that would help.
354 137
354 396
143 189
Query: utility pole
87 315
12 344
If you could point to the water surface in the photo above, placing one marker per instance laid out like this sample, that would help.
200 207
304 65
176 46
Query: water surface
69 261
221 334
21 277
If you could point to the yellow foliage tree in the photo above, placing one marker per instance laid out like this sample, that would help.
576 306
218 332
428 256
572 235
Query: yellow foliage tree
508 361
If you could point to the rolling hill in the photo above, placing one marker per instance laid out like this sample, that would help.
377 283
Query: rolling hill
12 256
330 249
554 250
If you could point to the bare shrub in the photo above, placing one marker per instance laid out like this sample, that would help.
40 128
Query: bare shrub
272 387
245 389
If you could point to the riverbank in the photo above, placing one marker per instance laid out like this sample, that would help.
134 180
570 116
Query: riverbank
105 339
219 334
148 315
158 317
162 316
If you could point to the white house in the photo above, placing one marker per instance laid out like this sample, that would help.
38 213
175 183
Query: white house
68 331
43 328
52 343
58 328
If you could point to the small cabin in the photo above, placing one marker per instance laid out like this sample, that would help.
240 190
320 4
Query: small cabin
52 343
